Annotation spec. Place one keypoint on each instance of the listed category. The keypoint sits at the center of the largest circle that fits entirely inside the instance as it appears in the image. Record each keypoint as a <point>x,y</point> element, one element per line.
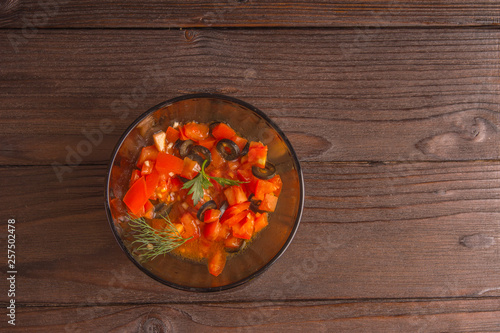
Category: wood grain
<point>465,315</point>
<point>392,95</point>
<point>244,13</point>
<point>392,106</point>
<point>423,230</point>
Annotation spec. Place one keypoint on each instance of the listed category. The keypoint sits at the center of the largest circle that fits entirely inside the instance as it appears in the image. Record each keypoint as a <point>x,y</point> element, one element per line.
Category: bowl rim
<point>272,124</point>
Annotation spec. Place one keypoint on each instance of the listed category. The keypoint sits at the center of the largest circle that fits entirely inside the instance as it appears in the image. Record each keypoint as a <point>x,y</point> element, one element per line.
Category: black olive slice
<point>178,143</point>
<point>203,152</point>
<point>264,173</point>
<point>254,204</point>
<point>245,149</point>
<point>206,206</point>
<point>162,210</point>
<point>185,147</point>
<point>223,207</point>
<point>228,149</point>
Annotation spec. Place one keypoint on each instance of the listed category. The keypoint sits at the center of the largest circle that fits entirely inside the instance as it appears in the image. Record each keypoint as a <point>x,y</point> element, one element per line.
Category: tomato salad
<point>206,185</point>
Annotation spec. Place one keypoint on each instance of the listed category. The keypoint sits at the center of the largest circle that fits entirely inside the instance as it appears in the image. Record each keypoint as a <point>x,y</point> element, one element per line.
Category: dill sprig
<point>155,242</point>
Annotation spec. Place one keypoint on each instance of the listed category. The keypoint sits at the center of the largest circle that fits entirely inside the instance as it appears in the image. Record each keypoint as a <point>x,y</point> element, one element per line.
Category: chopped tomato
<point>246,175</point>
<point>232,243</point>
<point>244,229</point>
<point>208,143</point>
<point>269,203</point>
<point>235,195</point>
<point>262,188</point>
<point>211,231</point>
<point>167,163</point>
<point>190,168</point>
<point>211,215</point>
<point>278,184</point>
<point>195,131</point>
<point>260,222</point>
<point>234,210</point>
<point>240,142</point>
<point>182,134</point>
<point>224,232</point>
<point>147,167</point>
<point>217,262</point>
<point>217,160</point>
<point>191,228</point>
<point>149,210</point>
<point>223,131</point>
<point>231,175</point>
<point>232,220</point>
<point>176,184</point>
<point>244,159</point>
<point>163,185</point>
<point>147,153</point>
<point>257,154</point>
<point>151,182</point>
<point>233,165</point>
<point>172,134</point>
<point>136,174</point>
<point>179,227</point>
<point>136,196</point>
<point>215,172</point>
<point>140,213</point>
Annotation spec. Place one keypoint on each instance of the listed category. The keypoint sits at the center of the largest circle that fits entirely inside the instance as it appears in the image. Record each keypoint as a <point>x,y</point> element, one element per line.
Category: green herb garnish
<point>155,242</point>
<point>202,182</point>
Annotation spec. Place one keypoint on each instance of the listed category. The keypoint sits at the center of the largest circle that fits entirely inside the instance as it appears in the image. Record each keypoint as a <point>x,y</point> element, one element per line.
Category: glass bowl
<point>252,124</point>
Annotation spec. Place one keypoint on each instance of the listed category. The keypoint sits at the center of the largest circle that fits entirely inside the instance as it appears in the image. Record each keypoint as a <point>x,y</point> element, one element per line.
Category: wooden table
<point>392,106</point>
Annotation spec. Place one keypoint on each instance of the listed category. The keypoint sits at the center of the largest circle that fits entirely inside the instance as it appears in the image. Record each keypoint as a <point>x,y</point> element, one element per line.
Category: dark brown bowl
<point>253,124</point>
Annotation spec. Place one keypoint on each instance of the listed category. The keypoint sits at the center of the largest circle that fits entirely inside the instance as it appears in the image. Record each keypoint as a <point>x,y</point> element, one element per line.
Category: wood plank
<point>443,240</point>
<point>244,13</point>
<point>374,316</point>
<point>426,94</point>
<point>396,192</point>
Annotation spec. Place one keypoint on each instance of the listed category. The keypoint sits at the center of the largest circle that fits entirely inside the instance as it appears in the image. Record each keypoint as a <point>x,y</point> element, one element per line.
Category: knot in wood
<point>155,325</point>
<point>477,241</point>
<point>189,35</point>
